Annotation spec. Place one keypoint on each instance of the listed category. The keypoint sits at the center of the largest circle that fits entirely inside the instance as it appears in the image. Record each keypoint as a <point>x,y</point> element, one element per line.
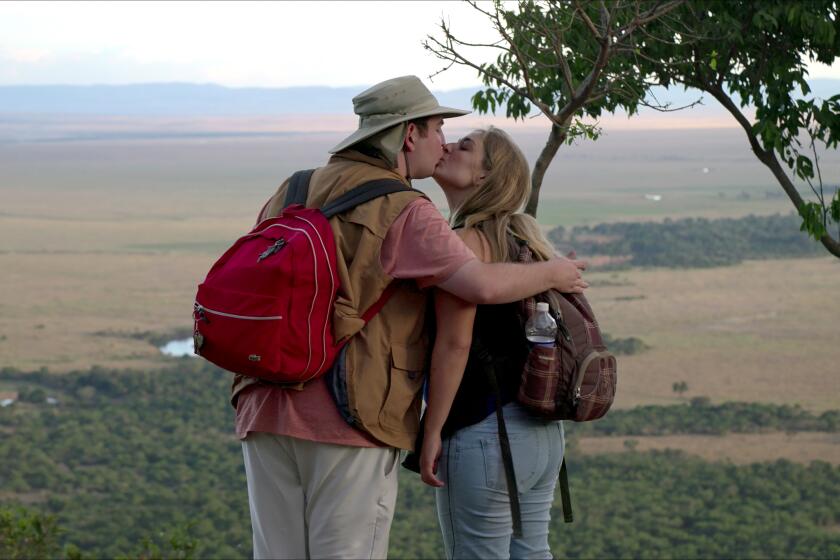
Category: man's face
<point>427,149</point>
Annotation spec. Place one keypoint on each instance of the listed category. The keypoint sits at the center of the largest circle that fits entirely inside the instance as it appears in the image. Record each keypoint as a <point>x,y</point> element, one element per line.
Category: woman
<point>486,180</point>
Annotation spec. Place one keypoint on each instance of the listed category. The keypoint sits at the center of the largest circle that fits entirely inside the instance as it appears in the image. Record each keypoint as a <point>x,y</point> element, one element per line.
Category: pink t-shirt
<point>420,245</point>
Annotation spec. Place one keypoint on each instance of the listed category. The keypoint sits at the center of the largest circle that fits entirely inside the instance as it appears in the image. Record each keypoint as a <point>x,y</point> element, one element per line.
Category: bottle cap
<point>542,306</point>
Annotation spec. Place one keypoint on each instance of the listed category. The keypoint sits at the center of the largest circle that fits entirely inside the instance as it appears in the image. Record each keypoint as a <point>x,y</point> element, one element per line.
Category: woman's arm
<point>449,358</point>
<point>454,318</point>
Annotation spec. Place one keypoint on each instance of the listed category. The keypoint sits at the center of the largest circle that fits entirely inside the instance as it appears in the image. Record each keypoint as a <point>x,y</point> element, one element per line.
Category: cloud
<point>41,67</point>
<point>25,55</point>
<point>820,70</point>
<point>235,44</point>
<point>270,44</point>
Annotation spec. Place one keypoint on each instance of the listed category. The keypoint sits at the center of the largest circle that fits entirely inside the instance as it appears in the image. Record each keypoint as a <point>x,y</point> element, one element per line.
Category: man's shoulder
<point>347,174</point>
<point>342,175</point>
<point>421,209</point>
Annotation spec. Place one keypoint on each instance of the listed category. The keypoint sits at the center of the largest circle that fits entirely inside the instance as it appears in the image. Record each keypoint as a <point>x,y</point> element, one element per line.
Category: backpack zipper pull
<point>200,311</point>
<point>272,249</point>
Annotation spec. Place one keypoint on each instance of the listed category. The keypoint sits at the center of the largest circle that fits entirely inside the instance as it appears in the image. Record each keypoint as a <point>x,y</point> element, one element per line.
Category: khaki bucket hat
<point>393,102</point>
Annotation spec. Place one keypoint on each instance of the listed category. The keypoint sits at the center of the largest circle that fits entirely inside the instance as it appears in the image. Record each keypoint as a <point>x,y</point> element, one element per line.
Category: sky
<point>268,44</point>
<point>234,44</point>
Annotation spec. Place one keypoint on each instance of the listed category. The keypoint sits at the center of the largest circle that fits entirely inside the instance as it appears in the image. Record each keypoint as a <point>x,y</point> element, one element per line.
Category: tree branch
<point>589,24</point>
<point>656,13</point>
<point>523,66</point>
<point>768,158</point>
<point>457,58</point>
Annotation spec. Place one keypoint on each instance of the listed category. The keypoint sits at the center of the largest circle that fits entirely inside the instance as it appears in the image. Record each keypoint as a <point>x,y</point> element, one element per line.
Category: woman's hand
<point>429,457</point>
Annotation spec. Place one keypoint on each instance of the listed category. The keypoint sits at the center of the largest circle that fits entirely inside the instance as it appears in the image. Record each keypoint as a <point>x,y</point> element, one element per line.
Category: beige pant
<point>318,500</point>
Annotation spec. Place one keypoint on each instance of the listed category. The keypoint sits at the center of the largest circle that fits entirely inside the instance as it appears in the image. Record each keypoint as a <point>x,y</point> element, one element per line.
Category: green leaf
<point>804,167</point>
<point>834,207</point>
<point>479,101</point>
<point>812,222</point>
<point>793,12</point>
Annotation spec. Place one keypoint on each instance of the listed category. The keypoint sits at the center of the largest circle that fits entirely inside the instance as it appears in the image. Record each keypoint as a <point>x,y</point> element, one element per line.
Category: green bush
<point>25,534</point>
<point>153,454</point>
<point>691,242</point>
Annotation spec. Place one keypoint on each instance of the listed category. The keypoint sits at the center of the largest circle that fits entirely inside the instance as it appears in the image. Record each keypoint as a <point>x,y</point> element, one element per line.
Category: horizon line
<point>215,84</point>
<point>324,86</point>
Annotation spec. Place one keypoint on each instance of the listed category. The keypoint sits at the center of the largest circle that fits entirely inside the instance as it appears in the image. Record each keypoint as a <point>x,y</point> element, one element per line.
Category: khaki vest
<point>386,359</point>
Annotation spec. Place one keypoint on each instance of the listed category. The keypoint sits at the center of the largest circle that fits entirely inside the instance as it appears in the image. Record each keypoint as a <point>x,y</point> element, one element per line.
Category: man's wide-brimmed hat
<point>393,102</point>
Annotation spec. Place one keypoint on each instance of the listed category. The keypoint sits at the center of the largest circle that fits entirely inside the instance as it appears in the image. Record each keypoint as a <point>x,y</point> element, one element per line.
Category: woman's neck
<point>454,198</point>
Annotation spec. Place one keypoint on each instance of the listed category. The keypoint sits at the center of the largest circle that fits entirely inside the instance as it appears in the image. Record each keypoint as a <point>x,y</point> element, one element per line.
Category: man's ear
<point>410,132</point>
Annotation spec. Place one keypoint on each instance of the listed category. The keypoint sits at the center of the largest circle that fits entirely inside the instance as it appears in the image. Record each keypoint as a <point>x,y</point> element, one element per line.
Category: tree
<point>25,534</point>
<point>36,396</point>
<point>567,58</point>
<point>680,387</point>
<point>574,58</point>
<point>755,52</point>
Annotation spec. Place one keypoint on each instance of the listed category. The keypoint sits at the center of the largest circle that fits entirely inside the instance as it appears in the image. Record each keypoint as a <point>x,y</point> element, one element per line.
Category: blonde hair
<point>493,208</point>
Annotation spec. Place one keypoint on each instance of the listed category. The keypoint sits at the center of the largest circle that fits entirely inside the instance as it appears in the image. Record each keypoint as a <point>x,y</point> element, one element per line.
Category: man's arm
<point>421,245</point>
<point>479,282</point>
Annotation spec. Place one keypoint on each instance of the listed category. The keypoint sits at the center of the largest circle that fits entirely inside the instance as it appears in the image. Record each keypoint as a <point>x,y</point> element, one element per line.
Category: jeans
<point>473,507</point>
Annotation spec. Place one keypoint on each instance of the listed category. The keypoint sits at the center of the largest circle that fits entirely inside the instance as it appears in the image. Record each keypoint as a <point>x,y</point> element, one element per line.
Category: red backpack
<point>265,308</point>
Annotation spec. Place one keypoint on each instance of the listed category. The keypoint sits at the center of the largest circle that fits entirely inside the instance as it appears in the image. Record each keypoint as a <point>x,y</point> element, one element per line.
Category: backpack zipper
<point>200,309</point>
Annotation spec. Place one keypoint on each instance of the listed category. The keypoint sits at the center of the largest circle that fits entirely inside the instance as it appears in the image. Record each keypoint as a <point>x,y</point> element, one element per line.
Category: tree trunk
<point>768,158</point>
<point>555,138</point>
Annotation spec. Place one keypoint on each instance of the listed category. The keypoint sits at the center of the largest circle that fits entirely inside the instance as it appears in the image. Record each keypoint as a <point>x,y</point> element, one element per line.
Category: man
<point>323,485</point>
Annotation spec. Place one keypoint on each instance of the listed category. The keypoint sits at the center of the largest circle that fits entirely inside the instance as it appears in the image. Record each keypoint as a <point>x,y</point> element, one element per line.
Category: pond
<point>178,348</point>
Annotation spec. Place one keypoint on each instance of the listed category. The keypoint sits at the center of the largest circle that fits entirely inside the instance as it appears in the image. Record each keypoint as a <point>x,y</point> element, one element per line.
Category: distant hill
<point>189,99</point>
<point>214,100</point>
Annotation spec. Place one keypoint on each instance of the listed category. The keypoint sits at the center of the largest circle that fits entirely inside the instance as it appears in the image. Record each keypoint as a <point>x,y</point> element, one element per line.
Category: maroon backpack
<point>574,379</point>
<point>265,308</point>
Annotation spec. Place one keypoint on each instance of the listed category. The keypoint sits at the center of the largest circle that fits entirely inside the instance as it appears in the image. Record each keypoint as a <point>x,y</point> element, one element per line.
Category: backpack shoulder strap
<point>298,190</point>
<point>364,193</point>
<point>484,357</point>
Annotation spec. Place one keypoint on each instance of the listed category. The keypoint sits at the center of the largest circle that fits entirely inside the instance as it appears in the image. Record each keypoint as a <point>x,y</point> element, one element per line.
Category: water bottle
<point>541,327</point>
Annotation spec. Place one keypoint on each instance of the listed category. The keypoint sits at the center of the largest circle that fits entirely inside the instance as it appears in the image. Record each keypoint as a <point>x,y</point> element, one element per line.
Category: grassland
<point>738,449</point>
<point>112,237</point>
<point>115,235</point>
<point>760,331</point>
<point>101,241</point>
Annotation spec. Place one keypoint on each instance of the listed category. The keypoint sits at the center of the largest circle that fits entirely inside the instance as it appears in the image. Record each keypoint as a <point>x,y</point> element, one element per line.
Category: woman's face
<point>461,167</point>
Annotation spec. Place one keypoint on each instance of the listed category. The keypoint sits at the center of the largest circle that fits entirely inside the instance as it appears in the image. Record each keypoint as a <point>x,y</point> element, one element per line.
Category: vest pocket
<point>401,409</point>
